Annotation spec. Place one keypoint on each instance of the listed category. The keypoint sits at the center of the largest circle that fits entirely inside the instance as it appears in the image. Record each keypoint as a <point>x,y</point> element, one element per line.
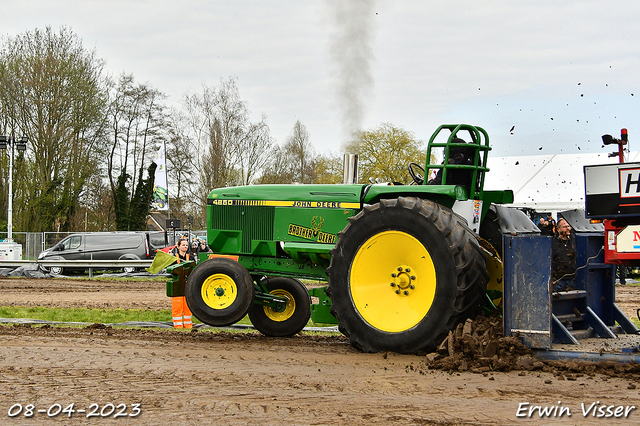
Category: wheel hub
<point>404,280</point>
<point>280,307</point>
<point>219,291</point>
<point>282,310</point>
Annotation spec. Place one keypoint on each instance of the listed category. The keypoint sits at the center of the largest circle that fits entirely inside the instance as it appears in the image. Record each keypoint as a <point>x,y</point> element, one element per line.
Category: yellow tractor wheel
<point>219,292</point>
<point>285,319</point>
<point>403,273</point>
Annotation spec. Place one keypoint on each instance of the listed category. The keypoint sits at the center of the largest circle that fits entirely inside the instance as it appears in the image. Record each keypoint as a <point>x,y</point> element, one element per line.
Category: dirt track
<point>200,377</point>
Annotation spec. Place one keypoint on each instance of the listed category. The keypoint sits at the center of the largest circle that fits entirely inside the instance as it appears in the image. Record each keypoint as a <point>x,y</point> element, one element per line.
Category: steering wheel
<point>418,178</point>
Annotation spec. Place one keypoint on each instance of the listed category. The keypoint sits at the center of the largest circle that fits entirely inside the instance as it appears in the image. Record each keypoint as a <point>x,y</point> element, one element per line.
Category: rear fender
<point>442,194</point>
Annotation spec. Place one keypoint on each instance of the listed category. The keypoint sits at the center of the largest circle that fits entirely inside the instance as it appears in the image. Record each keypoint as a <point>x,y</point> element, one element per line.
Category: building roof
<point>156,221</point>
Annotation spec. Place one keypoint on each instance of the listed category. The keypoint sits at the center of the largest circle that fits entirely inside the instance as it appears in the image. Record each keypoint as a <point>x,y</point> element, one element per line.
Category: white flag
<point>160,193</point>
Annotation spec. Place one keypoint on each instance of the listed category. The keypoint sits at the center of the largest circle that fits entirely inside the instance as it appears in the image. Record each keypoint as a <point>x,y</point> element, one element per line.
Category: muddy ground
<point>204,377</point>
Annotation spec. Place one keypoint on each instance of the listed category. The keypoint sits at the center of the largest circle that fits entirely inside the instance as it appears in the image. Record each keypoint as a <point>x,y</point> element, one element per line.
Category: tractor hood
<point>318,196</point>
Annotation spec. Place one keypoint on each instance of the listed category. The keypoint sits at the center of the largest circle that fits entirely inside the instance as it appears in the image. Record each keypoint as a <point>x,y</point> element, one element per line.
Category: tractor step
<point>569,295</point>
<point>571,318</point>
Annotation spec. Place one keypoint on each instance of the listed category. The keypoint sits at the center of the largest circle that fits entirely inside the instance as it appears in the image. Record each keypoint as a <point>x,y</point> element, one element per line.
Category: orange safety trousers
<point>180,313</point>
<point>179,308</point>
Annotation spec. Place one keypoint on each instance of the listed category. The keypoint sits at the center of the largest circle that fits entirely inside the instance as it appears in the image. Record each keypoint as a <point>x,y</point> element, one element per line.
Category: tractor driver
<point>563,257</point>
<point>457,155</point>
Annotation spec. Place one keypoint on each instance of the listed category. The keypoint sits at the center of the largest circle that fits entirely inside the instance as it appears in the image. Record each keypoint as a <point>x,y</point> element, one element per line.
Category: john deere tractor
<point>404,263</point>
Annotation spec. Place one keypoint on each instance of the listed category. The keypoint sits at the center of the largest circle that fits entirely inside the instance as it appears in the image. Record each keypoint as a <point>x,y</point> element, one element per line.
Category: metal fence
<point>35,242</point>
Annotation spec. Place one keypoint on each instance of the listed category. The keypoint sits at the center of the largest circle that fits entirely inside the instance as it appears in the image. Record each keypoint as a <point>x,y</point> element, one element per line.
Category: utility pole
<point>9,250</point>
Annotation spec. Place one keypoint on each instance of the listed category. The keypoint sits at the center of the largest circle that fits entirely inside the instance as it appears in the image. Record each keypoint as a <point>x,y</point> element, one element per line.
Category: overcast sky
<point>562,72</point>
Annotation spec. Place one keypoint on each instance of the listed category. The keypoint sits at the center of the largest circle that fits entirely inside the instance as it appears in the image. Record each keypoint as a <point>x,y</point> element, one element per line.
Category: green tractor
<point>404,263</point>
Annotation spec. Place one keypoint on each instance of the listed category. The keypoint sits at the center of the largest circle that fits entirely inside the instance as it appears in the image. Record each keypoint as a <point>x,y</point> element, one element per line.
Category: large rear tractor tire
<point>403,273</point>
<point>219,292</point>
<point>286,320</point>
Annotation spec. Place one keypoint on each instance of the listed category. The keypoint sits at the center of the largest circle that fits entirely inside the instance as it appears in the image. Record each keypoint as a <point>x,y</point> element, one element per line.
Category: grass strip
<point>101,316</point>
<point>104,316</point>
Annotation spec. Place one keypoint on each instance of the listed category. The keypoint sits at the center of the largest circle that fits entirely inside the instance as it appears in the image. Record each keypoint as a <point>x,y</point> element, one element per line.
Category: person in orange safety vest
<point>179,309</point>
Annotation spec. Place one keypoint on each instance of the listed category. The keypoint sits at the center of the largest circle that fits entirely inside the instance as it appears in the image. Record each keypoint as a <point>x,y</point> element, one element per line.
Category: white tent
<point>546,183</point>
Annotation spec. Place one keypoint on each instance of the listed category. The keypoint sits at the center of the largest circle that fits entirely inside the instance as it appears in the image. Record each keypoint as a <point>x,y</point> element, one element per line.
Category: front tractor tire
<point>287,319</point>
<point>403,273</point>
<point>219,292</point>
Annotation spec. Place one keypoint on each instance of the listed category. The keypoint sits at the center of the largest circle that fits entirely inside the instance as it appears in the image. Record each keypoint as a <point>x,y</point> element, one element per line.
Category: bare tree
<point>95,212</point>
<point>137,121</point>
<point>254,148</point>
<point>279,168</point>
<point>296,161</point>
<point>300,154</point>
<point>181,158</point>
<point>219,144</point>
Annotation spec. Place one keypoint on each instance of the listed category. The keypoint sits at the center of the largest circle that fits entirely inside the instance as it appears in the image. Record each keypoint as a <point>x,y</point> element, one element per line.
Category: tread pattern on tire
<point>231,314</point>
<point>470,277</point>
<point>292,325</point>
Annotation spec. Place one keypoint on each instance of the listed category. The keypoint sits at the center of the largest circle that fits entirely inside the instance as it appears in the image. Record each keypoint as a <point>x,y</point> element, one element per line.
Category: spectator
<point>199,246</point>
<point>194,248</point>
<point>550,220</point>
<point>545,227</point>
<point>181,250</point>
<point>622,274</point>
<point>563,258</point>
<point>203,247</point>
<point>180,312</point>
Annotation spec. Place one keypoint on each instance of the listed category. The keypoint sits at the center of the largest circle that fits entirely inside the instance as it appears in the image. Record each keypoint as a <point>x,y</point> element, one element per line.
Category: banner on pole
<point>160,193</point>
